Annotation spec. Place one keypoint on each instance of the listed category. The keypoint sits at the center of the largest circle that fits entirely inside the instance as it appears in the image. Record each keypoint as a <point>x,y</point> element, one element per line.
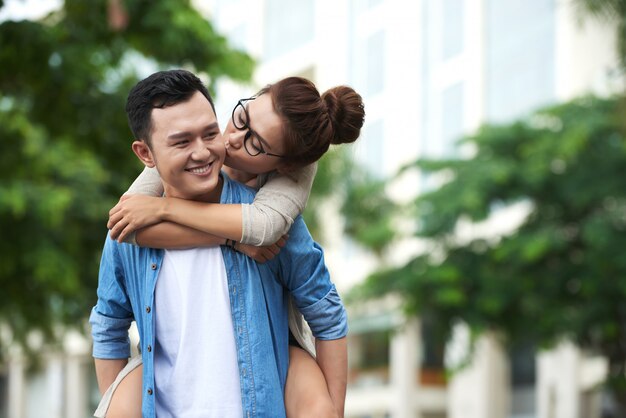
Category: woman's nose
<point>235,138</point>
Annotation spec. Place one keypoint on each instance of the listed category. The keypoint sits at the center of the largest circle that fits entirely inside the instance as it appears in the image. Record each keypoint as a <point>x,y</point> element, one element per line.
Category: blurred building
<point>429,71</point>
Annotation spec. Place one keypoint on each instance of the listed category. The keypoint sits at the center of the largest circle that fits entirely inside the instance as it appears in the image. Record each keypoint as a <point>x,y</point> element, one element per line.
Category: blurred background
<point>475,230</point>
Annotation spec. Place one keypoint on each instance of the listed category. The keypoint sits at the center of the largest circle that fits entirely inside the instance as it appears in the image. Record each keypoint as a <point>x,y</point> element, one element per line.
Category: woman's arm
<point>134,212</point>
<point>174,236</point>
<point>170,235</point>
<point>276,205</point>
<point>147,183</point>
<point>261,223</point>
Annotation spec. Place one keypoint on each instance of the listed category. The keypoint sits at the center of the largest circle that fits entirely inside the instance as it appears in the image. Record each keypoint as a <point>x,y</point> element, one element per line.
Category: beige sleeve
<point>278,202</point>
<point>148,183</point>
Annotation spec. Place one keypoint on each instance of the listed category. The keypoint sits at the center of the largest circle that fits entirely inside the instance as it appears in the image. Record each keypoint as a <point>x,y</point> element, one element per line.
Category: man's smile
<point>200,170</point>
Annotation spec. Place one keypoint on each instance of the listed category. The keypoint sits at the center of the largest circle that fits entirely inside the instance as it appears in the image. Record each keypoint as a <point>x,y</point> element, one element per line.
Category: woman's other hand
<point>134,212</point>
<point>262,254</point>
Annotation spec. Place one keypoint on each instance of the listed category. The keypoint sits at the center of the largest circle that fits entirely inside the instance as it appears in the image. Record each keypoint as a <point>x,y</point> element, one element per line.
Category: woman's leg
<point>306,391</point>
<point>126,400</point>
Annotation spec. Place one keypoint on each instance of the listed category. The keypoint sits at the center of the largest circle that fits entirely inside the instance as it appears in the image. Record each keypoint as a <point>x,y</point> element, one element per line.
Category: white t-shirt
<point>195,359</point>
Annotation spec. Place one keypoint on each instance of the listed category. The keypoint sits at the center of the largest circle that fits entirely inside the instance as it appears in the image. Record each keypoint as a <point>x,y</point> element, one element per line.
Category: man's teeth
<point>200,170</point>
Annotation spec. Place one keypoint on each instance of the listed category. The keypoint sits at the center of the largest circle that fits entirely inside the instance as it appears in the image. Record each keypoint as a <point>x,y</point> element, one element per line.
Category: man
<point>212,323</point>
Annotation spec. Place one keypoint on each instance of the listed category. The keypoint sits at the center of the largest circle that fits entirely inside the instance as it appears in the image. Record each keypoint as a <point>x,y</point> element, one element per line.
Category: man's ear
<point>144,153</point>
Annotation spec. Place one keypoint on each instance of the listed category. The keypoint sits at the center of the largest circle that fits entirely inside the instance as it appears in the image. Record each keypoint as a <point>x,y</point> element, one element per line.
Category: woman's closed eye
<point>242,119</point>
<point>254,142</point>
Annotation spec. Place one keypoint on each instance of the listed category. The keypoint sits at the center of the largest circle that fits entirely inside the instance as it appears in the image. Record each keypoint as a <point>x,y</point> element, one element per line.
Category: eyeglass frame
<point>250,132</point>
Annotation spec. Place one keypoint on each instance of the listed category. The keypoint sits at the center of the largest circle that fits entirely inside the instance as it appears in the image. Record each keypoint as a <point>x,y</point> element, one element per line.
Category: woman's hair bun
<point>346,112</point>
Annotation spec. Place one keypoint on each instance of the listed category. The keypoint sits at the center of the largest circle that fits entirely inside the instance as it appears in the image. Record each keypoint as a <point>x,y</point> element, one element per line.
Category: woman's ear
<point>144,153</point>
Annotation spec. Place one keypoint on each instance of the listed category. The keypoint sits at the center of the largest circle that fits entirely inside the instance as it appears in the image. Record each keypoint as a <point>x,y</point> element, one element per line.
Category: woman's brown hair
<point>311,122</point>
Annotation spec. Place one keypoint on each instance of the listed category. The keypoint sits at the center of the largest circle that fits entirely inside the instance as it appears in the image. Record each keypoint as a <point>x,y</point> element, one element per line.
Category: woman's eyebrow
<point>263,141</point>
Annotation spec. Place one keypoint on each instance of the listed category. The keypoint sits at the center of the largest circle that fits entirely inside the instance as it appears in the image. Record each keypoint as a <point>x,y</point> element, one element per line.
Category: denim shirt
<point>258,298</point>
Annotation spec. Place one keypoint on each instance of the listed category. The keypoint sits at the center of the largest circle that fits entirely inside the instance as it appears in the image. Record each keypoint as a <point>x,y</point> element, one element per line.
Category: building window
<point>288,25</point>
<point>375,67</point>
<point>452,27</point>
<point>452,111</point>
<point>432,368</point>
<point>520,54</point>
<point>374,151</point>
<point>361,6</point>
<point>369,358</point>
<point>523,380</point>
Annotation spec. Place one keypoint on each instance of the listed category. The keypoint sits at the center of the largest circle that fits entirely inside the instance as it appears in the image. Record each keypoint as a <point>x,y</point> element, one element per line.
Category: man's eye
<point>209,135</point>
<point>181,143</point>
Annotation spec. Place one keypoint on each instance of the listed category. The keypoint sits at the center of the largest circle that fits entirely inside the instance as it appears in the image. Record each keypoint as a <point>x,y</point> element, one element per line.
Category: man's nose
<point>200,150</point>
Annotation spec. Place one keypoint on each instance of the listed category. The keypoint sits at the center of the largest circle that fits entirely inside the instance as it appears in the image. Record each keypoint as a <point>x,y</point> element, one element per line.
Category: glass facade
<point>452,111</point>
<point>520,54</point>
<point>373,141</point>
<point>452,28</point>
<point>375,68</point>
<point>289,24</point>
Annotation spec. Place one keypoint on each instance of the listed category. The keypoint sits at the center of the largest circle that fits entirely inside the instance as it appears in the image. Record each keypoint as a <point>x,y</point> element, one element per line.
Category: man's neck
<point>241,176</point>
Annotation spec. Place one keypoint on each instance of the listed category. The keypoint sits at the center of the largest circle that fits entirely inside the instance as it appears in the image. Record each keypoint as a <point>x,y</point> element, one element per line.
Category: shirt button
<point>153,266</point>
<point>244,371</point>
<point>149,348</point>
<point>148,309</point>
<point>149,391</point>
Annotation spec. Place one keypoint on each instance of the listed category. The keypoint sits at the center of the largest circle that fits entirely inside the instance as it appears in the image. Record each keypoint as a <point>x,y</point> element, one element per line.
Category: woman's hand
<point>134,212</point>
<point>262,254</point>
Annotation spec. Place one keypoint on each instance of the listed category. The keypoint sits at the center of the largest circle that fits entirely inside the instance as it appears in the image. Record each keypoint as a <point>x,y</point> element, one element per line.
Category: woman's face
<point>254,128</point>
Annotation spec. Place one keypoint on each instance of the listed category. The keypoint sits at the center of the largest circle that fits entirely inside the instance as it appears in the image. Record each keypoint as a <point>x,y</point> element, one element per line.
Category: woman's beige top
<point>280,199</point>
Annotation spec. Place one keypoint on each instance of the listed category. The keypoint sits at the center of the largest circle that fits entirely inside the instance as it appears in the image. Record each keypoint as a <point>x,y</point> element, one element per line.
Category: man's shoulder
<point>113,248</point>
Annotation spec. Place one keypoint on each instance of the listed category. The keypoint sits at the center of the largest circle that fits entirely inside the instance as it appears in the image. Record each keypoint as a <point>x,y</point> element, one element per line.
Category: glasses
<point>252,141</point>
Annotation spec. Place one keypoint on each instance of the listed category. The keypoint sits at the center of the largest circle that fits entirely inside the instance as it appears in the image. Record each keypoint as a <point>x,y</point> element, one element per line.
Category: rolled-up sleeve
<point>112,316</point>
<point>327,317</point>
<point>110,336</point>
<point>307,278</point>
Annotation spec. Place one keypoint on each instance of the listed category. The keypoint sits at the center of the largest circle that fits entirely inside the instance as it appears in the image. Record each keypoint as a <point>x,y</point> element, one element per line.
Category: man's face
<point>187,149</point>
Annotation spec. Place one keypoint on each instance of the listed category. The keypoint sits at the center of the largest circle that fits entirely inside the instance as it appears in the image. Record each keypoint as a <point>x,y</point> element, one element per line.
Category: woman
<point>272,140</point>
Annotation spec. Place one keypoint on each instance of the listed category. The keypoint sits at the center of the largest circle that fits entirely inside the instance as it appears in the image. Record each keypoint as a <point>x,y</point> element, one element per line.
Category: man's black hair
<point>159,90</point>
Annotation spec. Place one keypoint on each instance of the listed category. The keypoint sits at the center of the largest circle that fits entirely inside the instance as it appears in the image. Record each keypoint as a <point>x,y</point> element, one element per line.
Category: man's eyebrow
<point>185,134</point>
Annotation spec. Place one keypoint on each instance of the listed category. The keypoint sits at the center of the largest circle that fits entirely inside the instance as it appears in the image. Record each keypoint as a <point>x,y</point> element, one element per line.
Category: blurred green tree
<point>360,198</point>
<point>561,272</point>
<point>64,142</point>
